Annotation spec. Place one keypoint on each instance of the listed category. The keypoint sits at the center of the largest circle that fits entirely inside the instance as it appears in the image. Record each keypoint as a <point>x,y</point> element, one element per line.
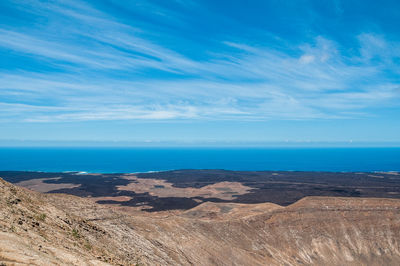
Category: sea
<point>133,160</point>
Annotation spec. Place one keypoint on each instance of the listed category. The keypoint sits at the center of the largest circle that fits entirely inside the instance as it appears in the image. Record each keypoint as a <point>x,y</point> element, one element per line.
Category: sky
<point>186,71</point>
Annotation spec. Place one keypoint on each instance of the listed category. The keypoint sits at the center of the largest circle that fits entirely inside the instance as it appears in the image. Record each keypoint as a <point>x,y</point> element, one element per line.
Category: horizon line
<point>194,144</point>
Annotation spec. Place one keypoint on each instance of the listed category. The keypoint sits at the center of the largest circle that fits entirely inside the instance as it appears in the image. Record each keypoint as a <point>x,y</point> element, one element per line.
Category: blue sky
<point>199,71</point>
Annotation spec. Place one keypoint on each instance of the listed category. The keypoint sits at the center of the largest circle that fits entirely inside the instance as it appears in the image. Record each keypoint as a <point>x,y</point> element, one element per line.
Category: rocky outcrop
<point>48,229</point>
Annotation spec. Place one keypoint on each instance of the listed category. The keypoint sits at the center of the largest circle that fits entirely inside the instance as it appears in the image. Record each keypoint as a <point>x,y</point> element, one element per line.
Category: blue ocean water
<point>128,160</point>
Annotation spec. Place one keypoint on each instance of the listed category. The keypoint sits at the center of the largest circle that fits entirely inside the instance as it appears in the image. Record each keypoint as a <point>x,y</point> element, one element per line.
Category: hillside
<point>59,229</point>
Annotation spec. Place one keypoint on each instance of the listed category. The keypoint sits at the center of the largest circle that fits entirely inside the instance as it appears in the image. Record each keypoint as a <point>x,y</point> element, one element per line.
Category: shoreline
<point>80,172</point>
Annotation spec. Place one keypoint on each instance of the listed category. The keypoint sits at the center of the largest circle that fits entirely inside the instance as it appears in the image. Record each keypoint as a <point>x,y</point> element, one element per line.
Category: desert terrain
<point>185,189</point>
<point>60,229</point>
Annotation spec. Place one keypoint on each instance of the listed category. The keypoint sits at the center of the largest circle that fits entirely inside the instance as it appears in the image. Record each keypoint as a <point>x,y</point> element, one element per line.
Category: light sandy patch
<point>40,186</point>
<point>117,198</point>
<point>164,189</point>
<point>376,176</point>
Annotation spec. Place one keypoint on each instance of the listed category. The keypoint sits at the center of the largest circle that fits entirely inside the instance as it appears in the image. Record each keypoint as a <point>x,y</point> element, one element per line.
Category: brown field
<point>164,189</point>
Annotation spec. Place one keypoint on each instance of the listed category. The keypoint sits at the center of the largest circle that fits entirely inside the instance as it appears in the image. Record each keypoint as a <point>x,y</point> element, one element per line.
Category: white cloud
<point>252,82</point>
<point>306,59</point>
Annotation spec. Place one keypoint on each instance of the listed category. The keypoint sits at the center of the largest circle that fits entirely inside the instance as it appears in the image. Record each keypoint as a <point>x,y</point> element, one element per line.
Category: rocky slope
<point>57,229</point>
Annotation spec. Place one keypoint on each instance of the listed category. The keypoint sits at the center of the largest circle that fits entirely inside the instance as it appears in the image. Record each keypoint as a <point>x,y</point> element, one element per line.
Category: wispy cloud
<point>104,69</point>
